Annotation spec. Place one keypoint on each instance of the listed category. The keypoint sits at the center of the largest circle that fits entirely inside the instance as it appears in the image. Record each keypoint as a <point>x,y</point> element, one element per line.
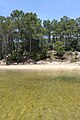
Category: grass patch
<point>39,95</point>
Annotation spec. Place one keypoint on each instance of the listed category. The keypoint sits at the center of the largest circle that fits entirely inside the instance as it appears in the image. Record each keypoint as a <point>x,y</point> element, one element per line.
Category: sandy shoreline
<point>52,66</point>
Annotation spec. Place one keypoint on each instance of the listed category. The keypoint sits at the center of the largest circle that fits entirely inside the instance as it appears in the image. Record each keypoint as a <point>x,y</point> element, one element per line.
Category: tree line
<point>23,36</point>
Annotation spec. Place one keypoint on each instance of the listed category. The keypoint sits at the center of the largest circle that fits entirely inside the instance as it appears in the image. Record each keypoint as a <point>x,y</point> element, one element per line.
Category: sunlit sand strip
<point>41,67</point>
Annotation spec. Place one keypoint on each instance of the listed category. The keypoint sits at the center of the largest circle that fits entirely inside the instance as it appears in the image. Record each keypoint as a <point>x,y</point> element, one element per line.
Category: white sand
<point>52,66</point>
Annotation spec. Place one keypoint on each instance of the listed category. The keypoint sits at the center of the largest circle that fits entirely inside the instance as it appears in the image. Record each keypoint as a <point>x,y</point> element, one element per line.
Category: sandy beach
<point>50,66</point>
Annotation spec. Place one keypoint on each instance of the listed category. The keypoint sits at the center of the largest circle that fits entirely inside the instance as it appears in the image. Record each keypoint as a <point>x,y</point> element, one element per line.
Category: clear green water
<point>39,95</point>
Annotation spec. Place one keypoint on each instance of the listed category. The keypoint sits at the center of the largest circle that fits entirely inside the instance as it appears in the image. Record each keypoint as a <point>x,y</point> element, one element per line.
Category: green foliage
<point>59,47</point>
<point>14,56</point>
<point>25,32</point>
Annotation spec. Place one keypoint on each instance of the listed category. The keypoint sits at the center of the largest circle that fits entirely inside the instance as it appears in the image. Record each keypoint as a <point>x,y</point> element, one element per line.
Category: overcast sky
<point>45,9</point>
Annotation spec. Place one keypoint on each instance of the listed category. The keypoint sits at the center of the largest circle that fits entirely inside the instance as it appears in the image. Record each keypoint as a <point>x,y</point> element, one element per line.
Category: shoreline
<point>50,66</point>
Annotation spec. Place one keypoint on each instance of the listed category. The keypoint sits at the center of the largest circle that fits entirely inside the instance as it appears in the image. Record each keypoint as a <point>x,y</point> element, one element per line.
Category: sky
<point>45,9</point>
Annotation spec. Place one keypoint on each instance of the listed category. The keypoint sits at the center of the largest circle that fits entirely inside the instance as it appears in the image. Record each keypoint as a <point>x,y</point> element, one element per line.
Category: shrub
<point>59,47</point>
<point>76,53</point>
<point>73,60</point>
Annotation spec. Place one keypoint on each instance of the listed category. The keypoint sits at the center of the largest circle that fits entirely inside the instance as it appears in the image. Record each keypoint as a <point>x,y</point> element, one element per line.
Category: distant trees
<point>24,36</point>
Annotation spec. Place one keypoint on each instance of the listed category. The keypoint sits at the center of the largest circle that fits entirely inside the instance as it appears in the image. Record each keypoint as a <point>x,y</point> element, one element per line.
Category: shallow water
<point>39,95</point>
